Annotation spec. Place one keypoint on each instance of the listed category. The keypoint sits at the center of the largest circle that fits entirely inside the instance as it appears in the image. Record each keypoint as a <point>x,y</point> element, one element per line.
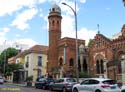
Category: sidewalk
<point>17,84</point>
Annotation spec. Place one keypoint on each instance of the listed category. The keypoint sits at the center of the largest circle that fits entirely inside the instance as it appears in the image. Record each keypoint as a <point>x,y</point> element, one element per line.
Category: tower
<point>54,19</point>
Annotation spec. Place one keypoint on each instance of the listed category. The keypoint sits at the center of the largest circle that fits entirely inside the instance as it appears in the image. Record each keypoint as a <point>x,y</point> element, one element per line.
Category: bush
<point>84,75</point>
<point>30,78</point>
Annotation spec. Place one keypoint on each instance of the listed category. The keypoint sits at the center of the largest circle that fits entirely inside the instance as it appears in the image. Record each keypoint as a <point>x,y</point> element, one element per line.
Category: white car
<point>1,80</point>
<point>96,85</point>
<point>123,88</point>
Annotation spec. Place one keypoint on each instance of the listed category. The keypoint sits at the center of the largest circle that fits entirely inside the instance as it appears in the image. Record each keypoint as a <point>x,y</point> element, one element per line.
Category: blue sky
<point>26,21</point>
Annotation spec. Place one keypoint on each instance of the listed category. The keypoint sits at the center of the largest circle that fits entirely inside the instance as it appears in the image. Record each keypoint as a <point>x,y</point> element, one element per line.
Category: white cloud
<point>21,20</point>
<point>86,34</point>
<point>68,30</point>
<point>26,41</point>
<point>4,31</point>
<point>83,1</point>
<point>108,8</point>
<point>18,35</point>
<point>23,43</point>
<point>67,9</point>
<point>68,24</point>
<point>41,1</point>
<point>54,1</point>
<point>10,6</point>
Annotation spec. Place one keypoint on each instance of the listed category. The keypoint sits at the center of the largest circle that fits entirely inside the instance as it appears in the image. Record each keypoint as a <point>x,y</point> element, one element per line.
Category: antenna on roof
<point>98,28</point>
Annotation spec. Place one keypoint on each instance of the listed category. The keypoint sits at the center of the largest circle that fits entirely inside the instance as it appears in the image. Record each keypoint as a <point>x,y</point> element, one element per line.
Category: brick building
<point>106,54</point>
<point>62,51</point>
<point>102,59</point>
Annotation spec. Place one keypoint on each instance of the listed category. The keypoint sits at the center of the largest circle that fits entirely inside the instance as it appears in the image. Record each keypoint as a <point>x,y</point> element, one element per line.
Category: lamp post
<point>124,2</point>
<point>74,11</point>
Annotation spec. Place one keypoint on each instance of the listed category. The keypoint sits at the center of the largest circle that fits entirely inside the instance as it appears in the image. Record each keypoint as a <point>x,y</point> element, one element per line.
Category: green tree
<point>90,42</point>
<point>11,67</point>
<point>7,53</point>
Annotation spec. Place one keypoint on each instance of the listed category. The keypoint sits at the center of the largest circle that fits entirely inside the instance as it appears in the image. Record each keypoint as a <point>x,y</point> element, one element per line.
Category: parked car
<point>63,84</point>
<point>96,85</point>
<point>123,88</point>
<point>1,80</point>
<point>43,83</point>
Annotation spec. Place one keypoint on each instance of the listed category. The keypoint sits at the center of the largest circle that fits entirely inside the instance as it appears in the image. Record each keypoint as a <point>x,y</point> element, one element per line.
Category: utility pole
<point>4,58</point>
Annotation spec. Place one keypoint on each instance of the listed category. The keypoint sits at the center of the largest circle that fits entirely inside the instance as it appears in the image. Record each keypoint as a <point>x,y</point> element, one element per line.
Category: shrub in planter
<point>84,75</point>
<point>29,80</point>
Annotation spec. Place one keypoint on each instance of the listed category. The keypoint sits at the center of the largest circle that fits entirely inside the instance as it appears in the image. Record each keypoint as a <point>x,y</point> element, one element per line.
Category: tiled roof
<point>39,48</point>
<point>34,49</point>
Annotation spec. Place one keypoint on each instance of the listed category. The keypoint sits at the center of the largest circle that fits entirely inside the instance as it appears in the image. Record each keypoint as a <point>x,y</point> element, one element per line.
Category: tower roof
<point>55,8</point>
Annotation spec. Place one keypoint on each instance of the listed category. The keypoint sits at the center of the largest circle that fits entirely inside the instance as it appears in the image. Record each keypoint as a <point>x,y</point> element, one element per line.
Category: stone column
<point>123,69</point>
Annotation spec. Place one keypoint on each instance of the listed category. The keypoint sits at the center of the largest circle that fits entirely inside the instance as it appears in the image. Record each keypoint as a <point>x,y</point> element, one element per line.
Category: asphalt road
<point>15,88</point>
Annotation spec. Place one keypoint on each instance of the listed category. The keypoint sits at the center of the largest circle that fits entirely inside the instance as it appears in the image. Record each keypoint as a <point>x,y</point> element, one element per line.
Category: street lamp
<point>74,11</point>
<point>124,2</point>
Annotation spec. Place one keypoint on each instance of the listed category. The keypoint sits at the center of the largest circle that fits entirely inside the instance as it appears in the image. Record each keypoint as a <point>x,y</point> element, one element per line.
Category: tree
<point>11,67</point>
<point>90,42</point>
<point>7,53</point>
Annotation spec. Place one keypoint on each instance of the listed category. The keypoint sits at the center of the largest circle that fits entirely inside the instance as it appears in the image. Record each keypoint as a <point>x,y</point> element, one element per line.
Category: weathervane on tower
<point>98,28</point>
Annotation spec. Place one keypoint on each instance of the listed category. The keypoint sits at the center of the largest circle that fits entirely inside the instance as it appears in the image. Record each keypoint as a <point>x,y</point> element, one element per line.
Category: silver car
<point>123,88</point>
<point>1,80</point>
<point>96,85</point>
<point>63,84</point>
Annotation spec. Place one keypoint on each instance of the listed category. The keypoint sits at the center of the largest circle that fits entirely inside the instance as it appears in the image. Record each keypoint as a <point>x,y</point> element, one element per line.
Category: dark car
<point>43,83</point>
<point>63,84</point>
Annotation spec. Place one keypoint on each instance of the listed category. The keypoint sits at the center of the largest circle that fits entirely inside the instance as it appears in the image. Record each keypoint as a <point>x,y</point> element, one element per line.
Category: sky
<point>26,21</point>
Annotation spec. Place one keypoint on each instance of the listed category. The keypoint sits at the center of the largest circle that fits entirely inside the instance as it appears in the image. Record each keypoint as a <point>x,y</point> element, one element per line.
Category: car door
<point>83,86</point>
<point>60,84</point>
<point>55,85</point>
<point>92,85</point>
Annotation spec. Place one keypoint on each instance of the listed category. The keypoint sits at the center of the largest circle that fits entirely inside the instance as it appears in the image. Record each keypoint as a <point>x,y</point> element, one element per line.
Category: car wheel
<point>123,91</point>
<point>97,91</point>
<point>75,90</point>
<point>64,90</point>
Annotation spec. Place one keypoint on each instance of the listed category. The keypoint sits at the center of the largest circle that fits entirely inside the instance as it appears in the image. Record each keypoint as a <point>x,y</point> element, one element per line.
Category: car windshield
<point>109,82</point>
<point>50,80</point>
<point>71,80</point>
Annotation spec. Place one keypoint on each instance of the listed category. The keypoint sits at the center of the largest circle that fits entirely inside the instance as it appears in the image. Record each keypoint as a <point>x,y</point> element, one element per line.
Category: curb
<point>23,85</point>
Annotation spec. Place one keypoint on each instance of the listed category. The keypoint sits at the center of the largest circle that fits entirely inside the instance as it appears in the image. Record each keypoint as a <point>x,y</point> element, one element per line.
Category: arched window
<point>53,23</point>
<point>71,62</point>
<point>97,66</point>
<point>57,23</point>
<point>79,65</point>
<point>53,9</point>
<point>102,67</point>
<point>60,62</point>
<point>85,65</point>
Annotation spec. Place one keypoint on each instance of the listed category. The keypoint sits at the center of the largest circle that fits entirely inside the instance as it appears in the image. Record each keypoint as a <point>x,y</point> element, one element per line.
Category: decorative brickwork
<point>105,50</point>
<point>60,64</point>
